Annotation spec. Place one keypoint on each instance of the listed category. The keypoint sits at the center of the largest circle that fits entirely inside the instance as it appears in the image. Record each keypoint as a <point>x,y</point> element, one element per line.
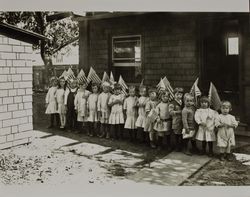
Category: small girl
<point>140,122</point>
<point>130,110</point>
<point>80,103</point>
<point>151,116</point>
<point>104,110</point>
<point>163,121</point>
<point>70,94</point>
<point>60,93</point>
<point>51,105</point>
<point>189,123</point>
<point>92,110</point>
<point>205,117</point>
<point>116,118</point>
<point>226,124</point>
<point>175,108</point>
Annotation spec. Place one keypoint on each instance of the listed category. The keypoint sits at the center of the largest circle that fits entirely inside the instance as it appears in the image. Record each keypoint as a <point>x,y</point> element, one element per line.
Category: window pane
<point>126,50</point>
<point>233,46</point>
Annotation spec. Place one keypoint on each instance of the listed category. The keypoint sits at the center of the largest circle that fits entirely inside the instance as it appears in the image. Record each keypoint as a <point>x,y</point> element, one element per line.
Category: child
<point>92,110</point>
<point>151,116</point>
<point>51,105</point>
<point>175,108</point>
<point>226,124</point>
<point>116,118</point>
<point>189,123</point>
<point>70,94</point>
<point>60,92</point>
<point>104,110</point>
<point>131,113</point>
<point>80,103</point>
<point>163,121</point>
<point>140,122</point>
<point>205,117</point>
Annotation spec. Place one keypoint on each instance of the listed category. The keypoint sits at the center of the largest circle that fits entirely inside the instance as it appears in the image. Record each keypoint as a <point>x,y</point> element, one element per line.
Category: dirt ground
<point>224,173</point>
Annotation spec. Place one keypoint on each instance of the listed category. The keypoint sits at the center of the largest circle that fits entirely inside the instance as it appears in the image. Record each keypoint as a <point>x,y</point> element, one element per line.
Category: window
<point>126,58</point>
<point>126,50</point>
<point>233,46</point>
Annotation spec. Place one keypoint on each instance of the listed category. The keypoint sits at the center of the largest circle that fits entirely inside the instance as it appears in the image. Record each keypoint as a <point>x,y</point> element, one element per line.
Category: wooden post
<point>84,42</point>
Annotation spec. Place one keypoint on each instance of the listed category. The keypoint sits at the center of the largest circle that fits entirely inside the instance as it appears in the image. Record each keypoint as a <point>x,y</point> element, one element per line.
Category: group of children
<point>152,115</point>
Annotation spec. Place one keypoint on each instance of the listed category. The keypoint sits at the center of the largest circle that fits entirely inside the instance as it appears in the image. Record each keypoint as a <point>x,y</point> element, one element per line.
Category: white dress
<point>131,112</point>
<point>140,122</point>
<point>102,106</point>
<point>92,107</point>
<point>150,119</point>
<point>207,116</point>
<point>60,93</point>
<point>225,135</point>
<point>81,105</point>
<point>116,115</point>
<point>164,126</point>
<point>51,101</point>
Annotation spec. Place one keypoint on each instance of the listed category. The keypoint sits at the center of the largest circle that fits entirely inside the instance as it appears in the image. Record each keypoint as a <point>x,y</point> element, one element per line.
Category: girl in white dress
<point>163,121</point>
<point>116,118</point>
<point>51,105</point>
<point>205,117</point>
<point>226,124</point>
<point>104,110</point>
<point>61,110</point>
<point>140,122</point>
<point>80,103</point>
<point>92,110</point>
<point>151,116</point>
<point>130,110</point>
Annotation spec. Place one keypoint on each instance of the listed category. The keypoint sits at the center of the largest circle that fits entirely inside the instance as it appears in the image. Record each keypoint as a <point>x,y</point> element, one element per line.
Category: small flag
<point>112,80</point>
<point>195,91</point>
<point>92,76</point>
<point>123,84</point>
<point>141,84</point>
<point>169,88</point>
<point>214,97</point>
<point>82,77</point>
<point>105,77</point>
<point>69,76</point>
<point>63,75</point>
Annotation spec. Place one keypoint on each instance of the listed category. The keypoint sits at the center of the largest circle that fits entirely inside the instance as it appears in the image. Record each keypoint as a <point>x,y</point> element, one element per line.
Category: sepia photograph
<point>120,99</point>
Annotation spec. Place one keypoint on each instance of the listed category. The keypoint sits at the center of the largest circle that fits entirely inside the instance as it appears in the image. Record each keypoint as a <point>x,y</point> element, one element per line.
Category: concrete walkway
<point>171,170</point>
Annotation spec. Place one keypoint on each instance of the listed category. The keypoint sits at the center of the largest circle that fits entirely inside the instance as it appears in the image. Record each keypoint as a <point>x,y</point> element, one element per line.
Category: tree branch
<point>64,45</point>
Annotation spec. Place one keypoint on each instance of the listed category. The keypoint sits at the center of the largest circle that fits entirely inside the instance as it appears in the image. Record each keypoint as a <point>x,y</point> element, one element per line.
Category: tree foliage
<point>61,32</point>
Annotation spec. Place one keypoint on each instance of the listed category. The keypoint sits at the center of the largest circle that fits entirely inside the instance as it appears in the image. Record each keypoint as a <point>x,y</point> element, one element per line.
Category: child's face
<point>62,82</point>
<point>105,89</point>
<point>83,86</point>
<point>204,105</point>
<point>178,95</point>
<point>54,83</point>
<point>132,92</point>
<point>164,98</point>
<point>189,102</point>
<point>73,84</point>
<point>152,96</point>
<point>117,91</point>
<point>143,91</point>
<point>95,89</point>
<point>225,109</point>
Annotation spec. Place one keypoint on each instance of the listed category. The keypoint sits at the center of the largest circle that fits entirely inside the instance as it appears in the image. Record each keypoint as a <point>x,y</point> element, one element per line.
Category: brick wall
<point>168,45</point>
<point>15,92</point>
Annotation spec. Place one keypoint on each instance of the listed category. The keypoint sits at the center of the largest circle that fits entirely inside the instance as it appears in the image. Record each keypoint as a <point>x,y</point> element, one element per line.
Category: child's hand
<point>158,120</point>
<point>203,124</point>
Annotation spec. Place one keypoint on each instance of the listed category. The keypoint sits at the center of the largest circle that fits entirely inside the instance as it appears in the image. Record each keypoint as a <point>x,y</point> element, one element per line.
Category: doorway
<point>220,59</point>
